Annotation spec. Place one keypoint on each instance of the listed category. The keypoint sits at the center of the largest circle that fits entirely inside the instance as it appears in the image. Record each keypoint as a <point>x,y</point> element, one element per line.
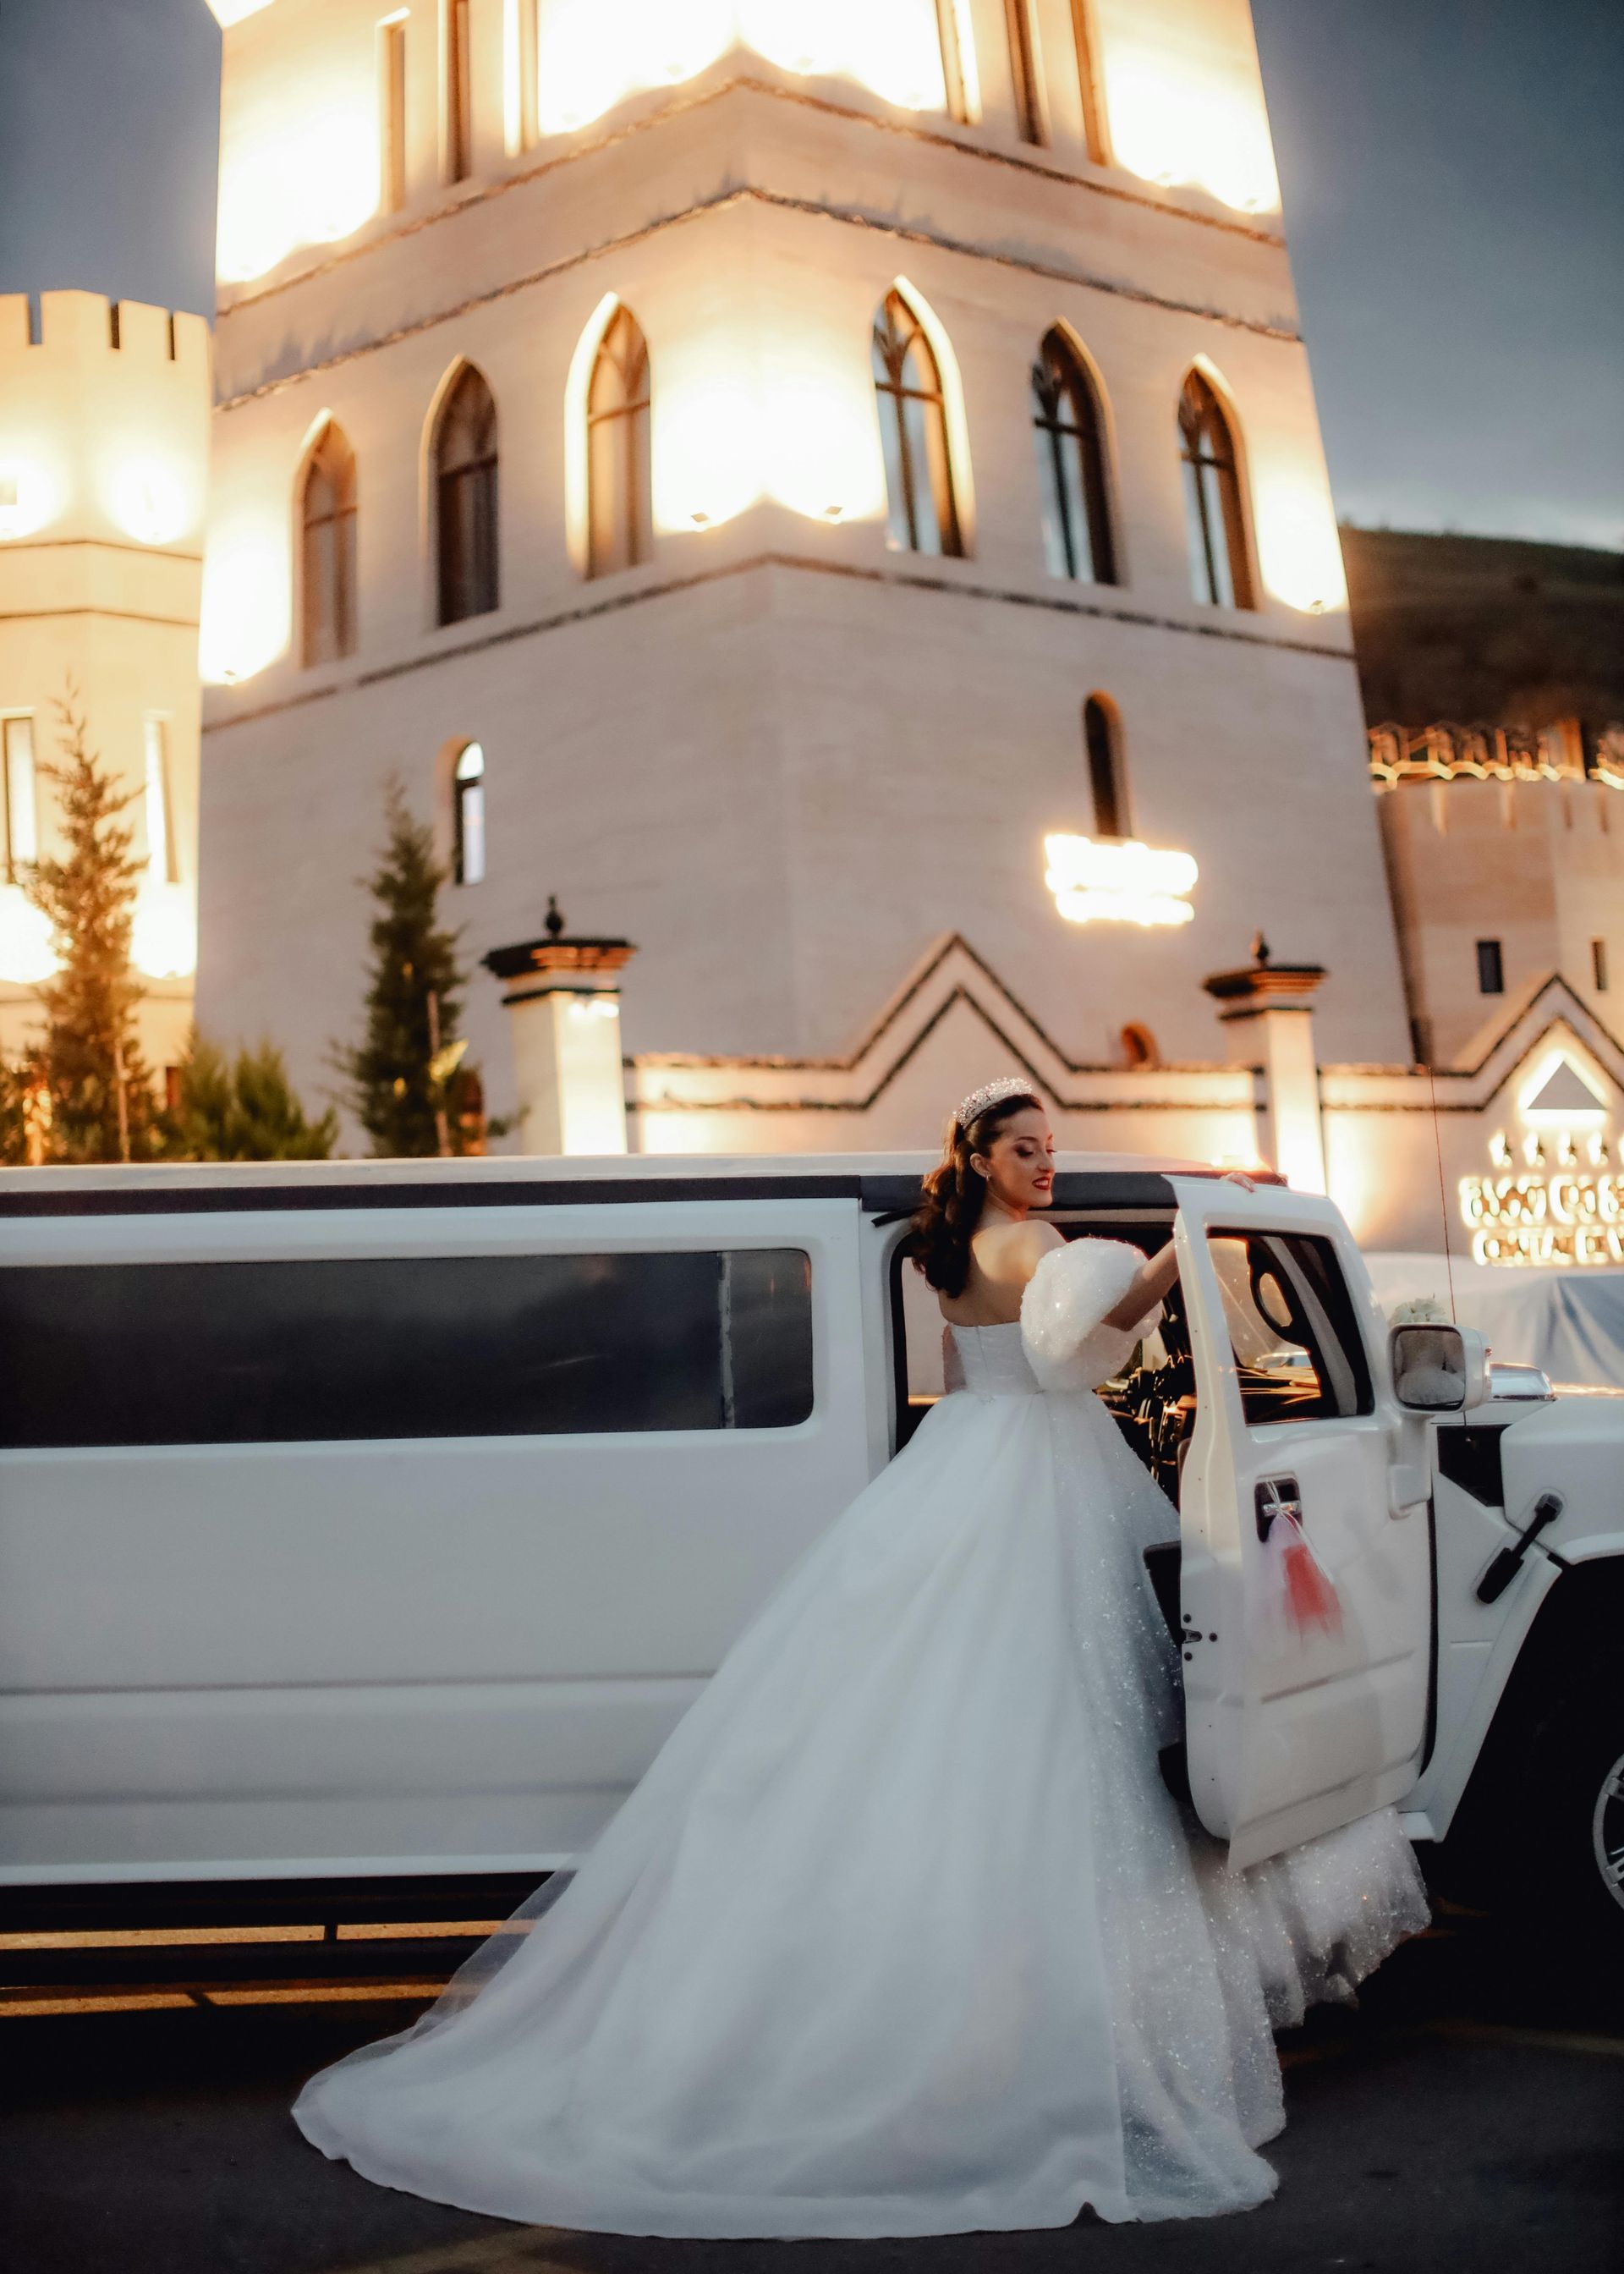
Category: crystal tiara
<point>990,1093</point>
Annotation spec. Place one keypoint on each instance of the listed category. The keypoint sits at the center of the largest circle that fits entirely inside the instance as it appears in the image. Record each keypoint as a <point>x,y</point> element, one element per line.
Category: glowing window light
<point>1118,881</point>
<point>468,816</point>
<point>22,828</point>
<point>160,834</point>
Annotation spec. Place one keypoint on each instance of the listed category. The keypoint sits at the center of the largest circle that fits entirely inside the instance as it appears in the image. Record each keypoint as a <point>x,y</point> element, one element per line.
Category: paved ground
<point>1467,2117</point>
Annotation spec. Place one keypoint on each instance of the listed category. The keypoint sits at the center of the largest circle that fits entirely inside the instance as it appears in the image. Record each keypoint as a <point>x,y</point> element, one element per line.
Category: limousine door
<point>366,1538</point>
<point>1294,1724</point>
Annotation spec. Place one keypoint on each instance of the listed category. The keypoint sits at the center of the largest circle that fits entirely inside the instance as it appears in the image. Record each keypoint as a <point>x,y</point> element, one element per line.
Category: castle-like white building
<point>759,471</point>
<point>835,494</point>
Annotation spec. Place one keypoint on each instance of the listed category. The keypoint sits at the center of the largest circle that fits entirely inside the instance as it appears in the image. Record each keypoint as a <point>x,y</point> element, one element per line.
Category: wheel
<point>1573,1795</point>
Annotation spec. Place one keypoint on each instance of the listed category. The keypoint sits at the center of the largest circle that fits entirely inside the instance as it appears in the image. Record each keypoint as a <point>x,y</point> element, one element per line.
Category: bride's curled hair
<point>939,1239</point>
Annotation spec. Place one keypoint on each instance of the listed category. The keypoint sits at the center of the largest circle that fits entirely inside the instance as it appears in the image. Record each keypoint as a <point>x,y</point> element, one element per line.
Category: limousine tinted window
<point>403,1346</point>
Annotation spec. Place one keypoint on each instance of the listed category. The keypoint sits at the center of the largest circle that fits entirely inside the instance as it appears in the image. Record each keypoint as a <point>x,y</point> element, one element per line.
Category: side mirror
<point>1439,1369</point>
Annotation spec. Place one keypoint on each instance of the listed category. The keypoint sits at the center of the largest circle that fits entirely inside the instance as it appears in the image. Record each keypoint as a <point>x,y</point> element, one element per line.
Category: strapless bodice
<point>995,1361</point>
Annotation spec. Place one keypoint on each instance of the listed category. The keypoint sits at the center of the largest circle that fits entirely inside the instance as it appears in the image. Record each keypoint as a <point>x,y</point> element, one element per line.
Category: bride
<point>901,1932</point>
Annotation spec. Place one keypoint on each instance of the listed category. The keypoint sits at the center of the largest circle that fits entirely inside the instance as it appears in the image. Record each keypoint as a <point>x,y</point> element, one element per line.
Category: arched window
<point>1107,781</point>
<point>1214,519</point>
<point>919,473</point>
<point>1067,428</point>
<point>328,549</point>
<point>620,518</point>
<point>467,816</point>
<point>465,501</point>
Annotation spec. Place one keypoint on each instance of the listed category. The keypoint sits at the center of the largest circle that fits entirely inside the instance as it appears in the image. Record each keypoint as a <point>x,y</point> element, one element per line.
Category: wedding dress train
<point>901,1932</point>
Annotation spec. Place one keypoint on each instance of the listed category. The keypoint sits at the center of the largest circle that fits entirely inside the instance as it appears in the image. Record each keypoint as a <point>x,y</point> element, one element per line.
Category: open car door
<point>1306,1702</point>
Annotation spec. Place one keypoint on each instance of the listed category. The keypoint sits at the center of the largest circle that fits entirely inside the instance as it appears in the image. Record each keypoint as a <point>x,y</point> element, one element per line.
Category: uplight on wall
<point>707,449</point>
<point>593,53</point>
<point>26,955</point>
<point>1180,113</point>
<point>164,940</point>
<point>1298,550</point>
<point>149,501</point>
<point>310,183</point>
<point>822,453</point>
<point>246,606</point>
<point>1118,880</point>
<point>28,498</point>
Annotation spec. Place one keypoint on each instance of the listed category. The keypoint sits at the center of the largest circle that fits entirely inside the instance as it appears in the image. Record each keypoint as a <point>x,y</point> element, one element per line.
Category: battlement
<point>104,425</point>
<point>82,326</point>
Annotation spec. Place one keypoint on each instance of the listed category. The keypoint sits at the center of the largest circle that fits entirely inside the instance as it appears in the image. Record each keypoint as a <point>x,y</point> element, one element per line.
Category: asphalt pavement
<point>1467,2116</point>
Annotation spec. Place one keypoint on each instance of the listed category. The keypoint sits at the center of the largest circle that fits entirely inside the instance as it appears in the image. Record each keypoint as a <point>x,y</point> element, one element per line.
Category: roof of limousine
<point>881,1181</point>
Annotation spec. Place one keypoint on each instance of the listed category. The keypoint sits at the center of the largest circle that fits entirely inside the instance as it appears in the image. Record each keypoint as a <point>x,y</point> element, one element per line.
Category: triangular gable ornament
<point>1561,1092</point>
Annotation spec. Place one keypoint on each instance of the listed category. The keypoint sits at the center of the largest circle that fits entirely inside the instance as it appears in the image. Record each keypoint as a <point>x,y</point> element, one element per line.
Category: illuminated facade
<point>817,455</point>
<point>104,442</point>
<point>1506,854</point>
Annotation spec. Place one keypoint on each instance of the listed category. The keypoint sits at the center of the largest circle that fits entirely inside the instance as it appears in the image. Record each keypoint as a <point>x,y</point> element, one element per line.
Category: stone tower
<point>104,440</point>
<point>757,468</point>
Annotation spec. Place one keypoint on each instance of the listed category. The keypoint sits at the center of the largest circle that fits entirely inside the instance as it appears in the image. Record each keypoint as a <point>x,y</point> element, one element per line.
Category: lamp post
<point>562,997</point>
<point>1267,1014</point>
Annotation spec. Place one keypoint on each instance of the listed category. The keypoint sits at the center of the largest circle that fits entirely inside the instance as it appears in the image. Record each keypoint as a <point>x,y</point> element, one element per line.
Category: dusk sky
<point>1454,177</point>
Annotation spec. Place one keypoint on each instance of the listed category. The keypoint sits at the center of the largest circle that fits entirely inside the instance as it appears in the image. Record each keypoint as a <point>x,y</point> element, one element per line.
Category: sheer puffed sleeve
<point>1063,1314</point>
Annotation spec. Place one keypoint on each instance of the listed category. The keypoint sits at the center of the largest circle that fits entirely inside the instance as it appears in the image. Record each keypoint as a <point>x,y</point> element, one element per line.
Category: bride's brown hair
<point>939,1239</point>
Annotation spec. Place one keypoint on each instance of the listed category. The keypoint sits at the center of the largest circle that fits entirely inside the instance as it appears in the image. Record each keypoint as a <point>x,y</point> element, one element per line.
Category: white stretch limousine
<point>368,1518</point>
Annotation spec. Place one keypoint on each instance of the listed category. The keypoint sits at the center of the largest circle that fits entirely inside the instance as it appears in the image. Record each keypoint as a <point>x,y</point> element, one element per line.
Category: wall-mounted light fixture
<point>1118,880</point>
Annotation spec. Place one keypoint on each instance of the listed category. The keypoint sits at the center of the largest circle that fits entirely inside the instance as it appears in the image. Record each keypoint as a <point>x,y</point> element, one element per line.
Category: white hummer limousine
<point>369,1518</point>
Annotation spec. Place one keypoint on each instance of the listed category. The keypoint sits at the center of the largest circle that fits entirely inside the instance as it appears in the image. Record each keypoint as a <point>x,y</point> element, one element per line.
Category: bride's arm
<point>1152,1281</point>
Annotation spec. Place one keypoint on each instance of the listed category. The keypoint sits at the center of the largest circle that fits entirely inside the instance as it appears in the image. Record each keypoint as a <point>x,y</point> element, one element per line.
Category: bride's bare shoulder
<point>1013,1251</point>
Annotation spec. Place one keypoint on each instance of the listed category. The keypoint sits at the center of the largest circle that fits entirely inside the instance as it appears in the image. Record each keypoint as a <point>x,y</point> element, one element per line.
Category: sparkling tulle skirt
<point>901,1932</point>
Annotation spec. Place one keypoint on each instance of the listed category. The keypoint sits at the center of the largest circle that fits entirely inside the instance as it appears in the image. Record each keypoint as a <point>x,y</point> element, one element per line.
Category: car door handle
<point>1276,1496</point>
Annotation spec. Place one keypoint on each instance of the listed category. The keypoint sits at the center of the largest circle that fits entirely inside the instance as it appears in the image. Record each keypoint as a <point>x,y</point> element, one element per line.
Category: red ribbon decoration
<point>1310,1601</point>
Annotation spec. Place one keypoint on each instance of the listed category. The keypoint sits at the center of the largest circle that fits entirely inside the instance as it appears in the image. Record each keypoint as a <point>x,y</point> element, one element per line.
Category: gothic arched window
<point>619,514</point>
<point>328,549</point>
<point>1213,518</point>
<point>1068,430</point>
<point>464,461</point>
<point>919,471</point>
<point>467,816</point>
<point>1107,782</point>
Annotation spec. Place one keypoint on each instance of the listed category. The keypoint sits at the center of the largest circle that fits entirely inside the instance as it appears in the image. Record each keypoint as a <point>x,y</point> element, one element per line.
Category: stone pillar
<point>1267,1014</point>
<point>562,997</point>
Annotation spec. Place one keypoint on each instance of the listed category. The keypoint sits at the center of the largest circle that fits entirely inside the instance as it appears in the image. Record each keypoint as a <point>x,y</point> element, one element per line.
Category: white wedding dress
<point>902,1932</point>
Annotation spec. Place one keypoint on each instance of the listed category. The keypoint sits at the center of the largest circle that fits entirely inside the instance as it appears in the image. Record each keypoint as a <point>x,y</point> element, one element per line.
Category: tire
<point>1573,1809</point>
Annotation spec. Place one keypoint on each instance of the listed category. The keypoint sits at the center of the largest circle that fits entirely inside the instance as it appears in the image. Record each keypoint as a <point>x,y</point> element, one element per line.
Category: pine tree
<point>245,1111</point>
<point>95,1091</point>
<point>406,1079</point>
